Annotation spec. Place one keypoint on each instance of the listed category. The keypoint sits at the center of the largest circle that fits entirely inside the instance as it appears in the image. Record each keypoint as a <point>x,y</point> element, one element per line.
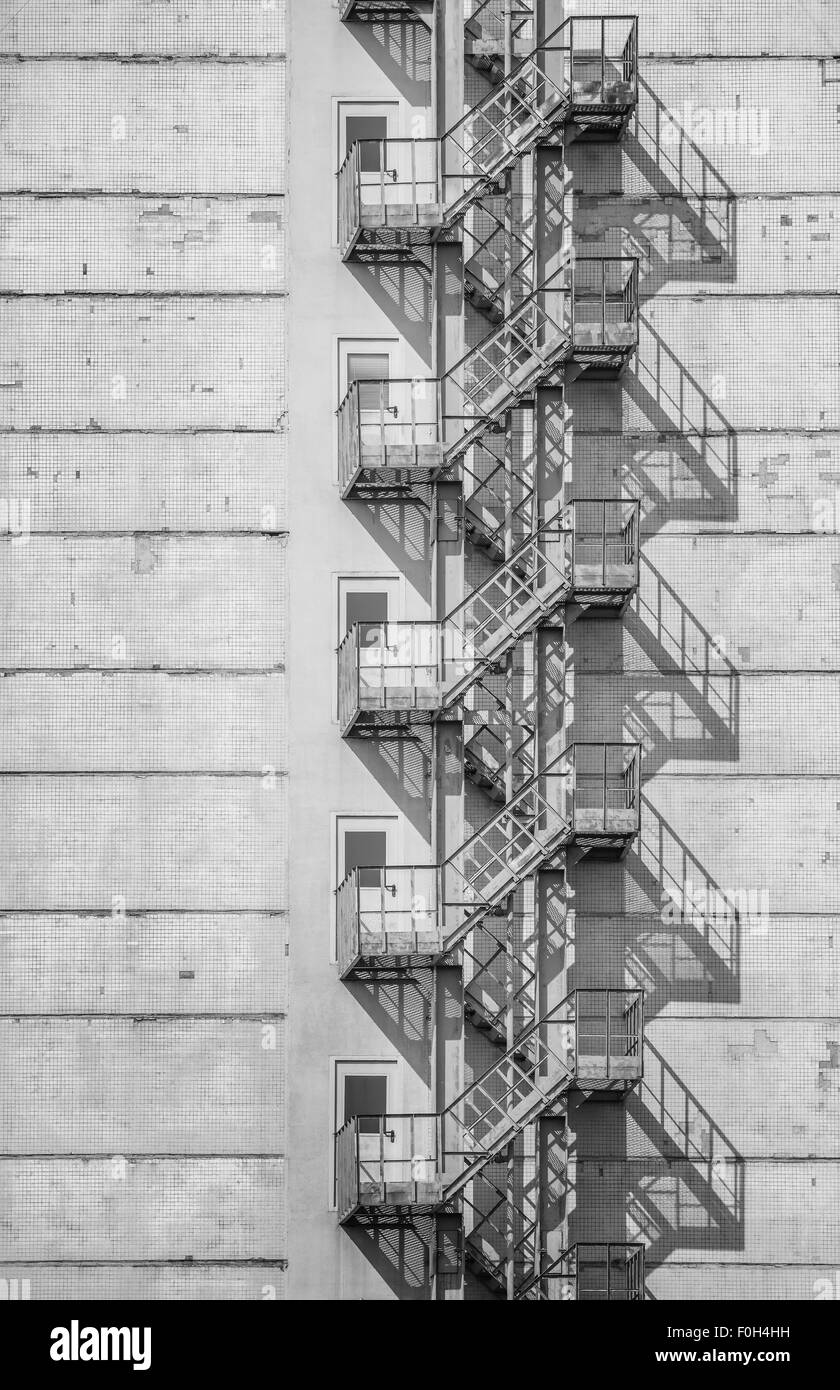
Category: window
<point>370,369</point>
<point>366,850</point>
<point>365,1094</point>
<point>369,600</point>
<point>370,130</point>
<point>370,611</point>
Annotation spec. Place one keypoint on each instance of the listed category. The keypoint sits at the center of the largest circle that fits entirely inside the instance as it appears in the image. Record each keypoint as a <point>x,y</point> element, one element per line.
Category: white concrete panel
<point>133,482</point>
<point>717,245</point>
<point>134,128</point>
<point>128,245</point>
<point>118,364</point>
<point>143,601</point>
<point>211,1282</point>
<point>718,365</point>
<point>143,722</point>
<point>721,127</point>
<point>769,481</point>
<point>698,27</point>
<point>240,27</point>
<point>113,843</point>
<point>151,963</point>
<point>736,723</point>
<point>94,1086</point>
<point>155,1209</point>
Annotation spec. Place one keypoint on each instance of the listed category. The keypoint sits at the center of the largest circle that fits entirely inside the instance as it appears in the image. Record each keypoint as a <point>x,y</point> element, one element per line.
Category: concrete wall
<point>144,761</point>
<point>331,1021</point>
<point>725,1160</point>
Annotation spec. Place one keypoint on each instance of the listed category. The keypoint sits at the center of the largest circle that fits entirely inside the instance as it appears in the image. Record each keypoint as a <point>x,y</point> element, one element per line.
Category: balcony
<point>388,919</point>
<point>404,1165</point>
<point>395,673</point>
<point>606,312</point>
<point>606,807</point>
<point>591,1271</point>
<point>388,1165</point>
<point>389,437</point>
<point>393,917</point>
<point>389,197</point>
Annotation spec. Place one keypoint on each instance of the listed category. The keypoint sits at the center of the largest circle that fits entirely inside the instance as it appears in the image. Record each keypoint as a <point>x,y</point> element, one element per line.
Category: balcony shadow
<point>402,50</point>
<point>687,231</point>
<point>402,529</point>
<point>689,470</point>
<point>402,1253</point>
<point>688,1194</point>
<point>401,762</point>
<point>401,287</point>
<point>402,1010</point>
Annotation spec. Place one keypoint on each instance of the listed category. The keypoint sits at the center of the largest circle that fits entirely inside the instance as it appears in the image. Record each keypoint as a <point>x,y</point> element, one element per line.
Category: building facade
<point>419,525</point>
<point>563,773</point>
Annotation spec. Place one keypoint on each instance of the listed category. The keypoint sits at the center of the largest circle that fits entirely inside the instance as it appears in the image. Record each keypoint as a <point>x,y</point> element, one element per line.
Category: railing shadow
<point>402,50</point>
<point>694,905</point>
<point>688,471</point>
<point>401,1252</point>
<point>402,529</point>
<point>697,1203</point>
<point>687,1195</point>
<point>400,760</point>
<point>401,287</point>
<point>677,168</point>
<point>699,720</point>
<point>659,921</point>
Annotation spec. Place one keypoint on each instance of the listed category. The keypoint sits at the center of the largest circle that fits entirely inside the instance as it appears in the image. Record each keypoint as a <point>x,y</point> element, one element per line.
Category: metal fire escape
<point>400,438</point>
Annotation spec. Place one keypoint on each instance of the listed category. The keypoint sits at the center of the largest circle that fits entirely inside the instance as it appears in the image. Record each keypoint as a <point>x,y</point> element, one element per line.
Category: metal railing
<point>586,67</point>
<point>392,184</point>
<point>388,1161</point>
<point>588,789</point>
<point>595,1271</point>
<point>389,427</point>
<point>387,912</point>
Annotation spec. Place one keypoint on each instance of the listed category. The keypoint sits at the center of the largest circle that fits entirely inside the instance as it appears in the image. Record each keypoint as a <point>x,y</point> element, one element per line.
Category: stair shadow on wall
<point>402,1253</point>
<point>657,1169</point>
<point>681,462</point>
<point>656,920</point>
<point>697,224</point>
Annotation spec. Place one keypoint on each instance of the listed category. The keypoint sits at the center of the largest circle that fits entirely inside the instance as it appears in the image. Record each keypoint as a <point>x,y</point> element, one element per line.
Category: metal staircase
<point>396,672</point>
<point>395,918</point>
<point>403,438</point>
<point>591,1041</point>
<point>399,193</point>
